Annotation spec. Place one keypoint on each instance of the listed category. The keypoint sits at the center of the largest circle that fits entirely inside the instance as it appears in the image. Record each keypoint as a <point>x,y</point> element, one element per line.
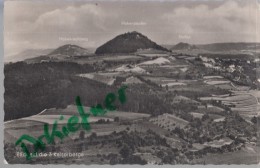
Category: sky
<point>50,24</point>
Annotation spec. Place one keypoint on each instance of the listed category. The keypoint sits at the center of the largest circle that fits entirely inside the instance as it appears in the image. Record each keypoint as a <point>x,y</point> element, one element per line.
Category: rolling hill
<point>183,46</point>
<point>63,53</point>
<point>70,50</point>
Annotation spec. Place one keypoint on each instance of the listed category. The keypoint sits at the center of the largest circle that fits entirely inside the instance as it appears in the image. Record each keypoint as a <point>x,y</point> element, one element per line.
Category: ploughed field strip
<point>242,103</point>
<point>33,124</point>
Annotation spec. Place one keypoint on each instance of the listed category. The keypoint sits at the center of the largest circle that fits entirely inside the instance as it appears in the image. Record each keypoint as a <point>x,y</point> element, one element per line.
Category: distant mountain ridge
<point>215,47</point>
<point>184,46</point>
<point>70,50</point>
<point>128,43</point>
<point>27,54</point>
<point>229,46</point>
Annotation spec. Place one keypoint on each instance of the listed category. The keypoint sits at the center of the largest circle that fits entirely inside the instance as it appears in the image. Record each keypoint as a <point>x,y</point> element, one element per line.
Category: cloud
<point>66,18</point>
<point>44,29</point>
<point>72,19</point>
<point>228,18</point>
<point>12,45</point>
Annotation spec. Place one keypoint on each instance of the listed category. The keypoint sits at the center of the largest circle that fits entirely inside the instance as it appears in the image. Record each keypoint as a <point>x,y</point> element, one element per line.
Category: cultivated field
<point>245,103</point>
<point>169,121</point>
<point>95,59</point>
<point>33,125</point>
<point>106,79</point>
<point>244,156</point>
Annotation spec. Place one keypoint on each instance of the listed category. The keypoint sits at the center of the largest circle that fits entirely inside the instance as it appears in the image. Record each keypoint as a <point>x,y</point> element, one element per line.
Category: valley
<point>181,108</point>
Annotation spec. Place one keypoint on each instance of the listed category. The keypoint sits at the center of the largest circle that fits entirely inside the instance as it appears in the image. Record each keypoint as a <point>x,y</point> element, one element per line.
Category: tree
<point>82,135</point>
<point>160,154</point>
<point>133,160</point>
<point>167,159</point>
<point>116,119</point>
<point>205,117</point>
<point>125,151</point>
<point>254,120</point>
<point>114,160</point>
<point>93,135</point>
